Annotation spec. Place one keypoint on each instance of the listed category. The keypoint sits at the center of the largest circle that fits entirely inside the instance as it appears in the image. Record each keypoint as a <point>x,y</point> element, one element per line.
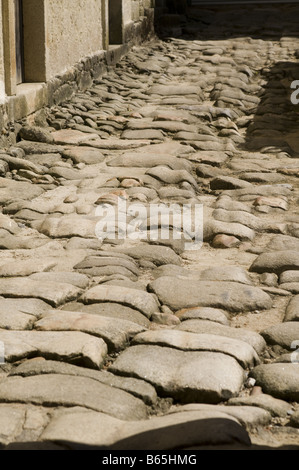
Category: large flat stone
<point>10,188</point>
<point>279,380</point>
<point>158,255</point>
<point>138,388</point>
<point>20,314</point>
<point>186,376</point>
<point>25,267</point>
<point>276,262</point>
<point>275,406</point>
<point>74,347</point>
<point>66,390</point>
<point>292,311</point>
<point>54,293</point>
<point>140,300</point>
<point>283,334</point>
<point>186,293</point>
<point>110,310</point>
<point>80,428</point>
<point>243,352</point>
<point>116,334</point>
<point>68,226</point>
<point>213,328</point>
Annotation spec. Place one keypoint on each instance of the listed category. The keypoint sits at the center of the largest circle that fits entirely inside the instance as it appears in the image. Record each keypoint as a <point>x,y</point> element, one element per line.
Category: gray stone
<point>249,416</point>
<point>71,347</point>
<point>279,380</point>
<point>144,160</point>
<point>169,176</point>
<point>54,293</point>
<point>276,262</point>
<point>170,432</point>
<point>215,227</point>
<point>203,313</point>
<point>12,420</point>
<point>273,405</point>
<point>148,134</point>
<point>283,242</point>
<point>102,261</point>
<point>66,390</point>
<point>111,310</point>
<point>68,226</point>
<point>228,182</point>
<point>36,134</point>
<point>283,334</point>
<point>116,334</point>
<point>142,301</point>
<point>188,293</point>
<point>76,279</point>
<point>289,276</point>
<point>209,327</point>
<point>138,388</point>
<point>16,314</point>
<point>294,421</point>
<point>159,255</point>
<point>25,267</point>
<point>243,352</point>
<point>185,376</point>
<point>10,188</point>
<point>82,154</point>
<point>239,217</point>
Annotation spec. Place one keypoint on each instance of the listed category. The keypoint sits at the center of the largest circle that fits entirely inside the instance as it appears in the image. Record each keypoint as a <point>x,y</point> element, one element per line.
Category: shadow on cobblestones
<point>275,125</point>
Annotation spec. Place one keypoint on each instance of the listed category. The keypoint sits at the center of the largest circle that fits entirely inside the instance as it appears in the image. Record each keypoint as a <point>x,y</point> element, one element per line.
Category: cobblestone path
<point>144,344</point>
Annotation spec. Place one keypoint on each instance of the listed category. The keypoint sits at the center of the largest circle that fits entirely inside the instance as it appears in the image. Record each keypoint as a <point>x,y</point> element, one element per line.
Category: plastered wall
<point>73,31</point>
<point>2,87</point>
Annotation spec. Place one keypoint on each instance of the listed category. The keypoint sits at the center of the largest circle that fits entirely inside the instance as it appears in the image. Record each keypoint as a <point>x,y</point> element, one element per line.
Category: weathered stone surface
<point>76,279</point>
<point>68,226</point>
<point>25,267</point>
<point>170,432</point>
<point>72,137</point>
<point>289,276</point>
<point>143,301</point>
<point>36,134</point>
<point>156,254</point>
<point>214,227</point>
<point>209,327</point>
<point>279,380</point>
<point>65,390</point>
<point>144,160</point>
<point>110,310</point>
<point>283,242</point>
<point>276,262</point>
<point>186,341</point>
<point>227,182</point>
<point>138,388</point>
<point>9,188</point>
<point>12,419</point>
<point>20,314</point>
<point>203,313</point>
<point>292,311</point>
<point>275,406</point>
<point>187,293</point>
<point>116,334</point>
<point>71,347</point>
<point>249,417</point>
<point>283,334</point>
<point>86,155</point>
<point>52,292</point>
<point>186,376</point>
